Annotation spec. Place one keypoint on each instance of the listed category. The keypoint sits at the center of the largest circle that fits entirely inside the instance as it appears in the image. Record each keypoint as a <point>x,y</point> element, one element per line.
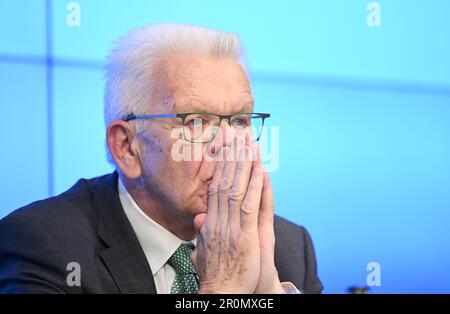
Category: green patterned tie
<point>186,279</point>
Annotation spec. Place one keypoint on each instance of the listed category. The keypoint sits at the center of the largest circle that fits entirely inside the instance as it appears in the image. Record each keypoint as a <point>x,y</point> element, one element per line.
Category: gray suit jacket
<point>87,225</point>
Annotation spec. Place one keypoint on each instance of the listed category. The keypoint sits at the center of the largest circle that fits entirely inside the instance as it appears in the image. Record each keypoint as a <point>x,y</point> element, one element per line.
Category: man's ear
<point>124,149</point>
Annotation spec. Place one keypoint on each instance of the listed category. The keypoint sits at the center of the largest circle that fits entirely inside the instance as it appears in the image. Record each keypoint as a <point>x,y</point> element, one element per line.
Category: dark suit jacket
<point>87,225</point>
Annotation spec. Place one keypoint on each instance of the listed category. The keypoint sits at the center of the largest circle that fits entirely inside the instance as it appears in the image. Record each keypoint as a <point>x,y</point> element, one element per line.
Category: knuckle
<point>247,208</point>
<point>225,184</point>
<point>236,195</point>
<point>213,189</point>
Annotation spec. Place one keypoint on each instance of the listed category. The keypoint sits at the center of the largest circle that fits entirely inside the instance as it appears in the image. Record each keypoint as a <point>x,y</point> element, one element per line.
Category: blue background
<point>363,114</point>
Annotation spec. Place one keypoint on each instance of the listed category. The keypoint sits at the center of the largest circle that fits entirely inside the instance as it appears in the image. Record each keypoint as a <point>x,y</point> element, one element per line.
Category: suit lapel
<point>129,269</point>
<point>123,255</point>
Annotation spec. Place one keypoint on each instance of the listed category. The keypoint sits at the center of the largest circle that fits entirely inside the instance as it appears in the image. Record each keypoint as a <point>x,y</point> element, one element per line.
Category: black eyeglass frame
<point>183,116</point>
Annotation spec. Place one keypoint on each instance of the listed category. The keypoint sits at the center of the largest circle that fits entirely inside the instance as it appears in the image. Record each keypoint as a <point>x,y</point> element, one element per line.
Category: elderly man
<point>189,208</point>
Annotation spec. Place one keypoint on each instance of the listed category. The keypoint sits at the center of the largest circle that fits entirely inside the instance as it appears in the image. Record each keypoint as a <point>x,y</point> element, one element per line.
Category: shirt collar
<point>158,243</point>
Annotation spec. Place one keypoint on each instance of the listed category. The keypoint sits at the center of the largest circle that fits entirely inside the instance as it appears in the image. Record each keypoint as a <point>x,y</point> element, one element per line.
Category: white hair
<point>132,63</point>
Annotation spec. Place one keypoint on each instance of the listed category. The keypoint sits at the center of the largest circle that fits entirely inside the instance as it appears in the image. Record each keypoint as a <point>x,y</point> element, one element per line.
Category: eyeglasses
<point>202,127</point>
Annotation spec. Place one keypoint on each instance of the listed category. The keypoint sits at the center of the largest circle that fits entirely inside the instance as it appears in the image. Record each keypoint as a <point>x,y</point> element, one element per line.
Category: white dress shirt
<point>157,242</point>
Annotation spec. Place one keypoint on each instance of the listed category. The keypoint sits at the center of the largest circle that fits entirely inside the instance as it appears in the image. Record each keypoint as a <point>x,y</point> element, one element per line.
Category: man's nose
<point>224,137</point>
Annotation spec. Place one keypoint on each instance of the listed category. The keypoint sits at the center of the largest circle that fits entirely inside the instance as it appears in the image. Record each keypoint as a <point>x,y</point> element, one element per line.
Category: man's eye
<point>242,122</point>
<point>195,122</point>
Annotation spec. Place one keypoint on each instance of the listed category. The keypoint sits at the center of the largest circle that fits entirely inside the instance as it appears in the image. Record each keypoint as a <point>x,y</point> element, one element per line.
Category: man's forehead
<point>203,71</point>
<point>208,84</point>
<point>192,104</point>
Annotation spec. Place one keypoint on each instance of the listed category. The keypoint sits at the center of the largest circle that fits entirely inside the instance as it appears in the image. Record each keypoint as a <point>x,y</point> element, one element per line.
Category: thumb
<point>198,221</point>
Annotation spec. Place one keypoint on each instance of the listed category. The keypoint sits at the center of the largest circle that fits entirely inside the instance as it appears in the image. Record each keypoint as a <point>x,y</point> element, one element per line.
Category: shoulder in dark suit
<point>88,226</point>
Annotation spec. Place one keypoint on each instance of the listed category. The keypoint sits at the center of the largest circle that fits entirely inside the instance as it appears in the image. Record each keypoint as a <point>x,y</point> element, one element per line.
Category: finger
<point>250,205</point>
<point>194,260</point>
<point>258,155</point>
<point>224,187</point>
<point>248,140</point>
<point>213,189</point>
<point>240,185</point>
<point>266,213</point>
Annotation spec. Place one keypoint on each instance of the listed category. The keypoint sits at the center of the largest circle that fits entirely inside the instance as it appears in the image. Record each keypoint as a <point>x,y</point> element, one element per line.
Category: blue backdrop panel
<point>368,173</point>
<point>22,25</point>
<point>79,150</point>
<point>23,140</point>
<point>289,36</point>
